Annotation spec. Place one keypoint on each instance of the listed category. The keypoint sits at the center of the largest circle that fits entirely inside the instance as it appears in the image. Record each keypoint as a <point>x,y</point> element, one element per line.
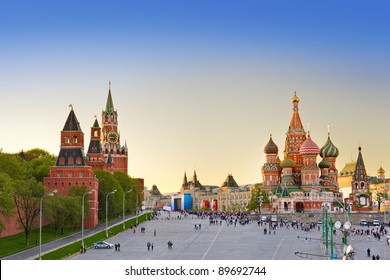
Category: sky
<point>198,84</point>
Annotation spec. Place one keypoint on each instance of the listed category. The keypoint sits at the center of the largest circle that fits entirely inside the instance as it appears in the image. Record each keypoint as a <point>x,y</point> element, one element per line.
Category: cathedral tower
<point>271,169</point>
<point>309,172</point>
<point>295,136</point>
<point>329,153</point>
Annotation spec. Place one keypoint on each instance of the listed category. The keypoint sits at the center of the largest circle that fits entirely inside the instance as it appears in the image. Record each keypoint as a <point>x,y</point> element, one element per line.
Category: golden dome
<point>295,98</point>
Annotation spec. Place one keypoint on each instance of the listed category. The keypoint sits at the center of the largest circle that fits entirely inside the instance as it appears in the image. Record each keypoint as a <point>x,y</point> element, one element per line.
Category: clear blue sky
<point>198,83</point>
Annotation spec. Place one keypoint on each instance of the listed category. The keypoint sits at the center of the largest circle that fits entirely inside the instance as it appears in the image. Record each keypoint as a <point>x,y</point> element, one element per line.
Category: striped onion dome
<point>309,147</point>
<point>329,150</point>
<point>271,147</point>
<point>287,162</point>
<point>324,164</point>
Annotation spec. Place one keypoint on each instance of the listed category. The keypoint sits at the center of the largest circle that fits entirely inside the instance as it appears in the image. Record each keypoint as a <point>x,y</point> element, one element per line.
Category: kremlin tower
<point>71,168</point>
<point>114,153</point>
<point>105,152</point>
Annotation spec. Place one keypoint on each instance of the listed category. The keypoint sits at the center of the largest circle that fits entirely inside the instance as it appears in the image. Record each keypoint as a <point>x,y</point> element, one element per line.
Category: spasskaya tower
<point>116,155</point>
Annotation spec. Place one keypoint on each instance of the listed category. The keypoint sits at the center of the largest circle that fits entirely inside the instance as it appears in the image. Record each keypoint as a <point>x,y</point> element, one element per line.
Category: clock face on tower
<point>112,137</point>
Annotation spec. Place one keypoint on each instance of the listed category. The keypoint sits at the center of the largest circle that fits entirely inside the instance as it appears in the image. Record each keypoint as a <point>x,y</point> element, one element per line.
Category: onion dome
<point>324,164</point>
<point>287,162</point>
<point>271,147</point>
<point>309,147</point>
<point>329,150</point>
<point>381,170</point>
<point>295,98</point>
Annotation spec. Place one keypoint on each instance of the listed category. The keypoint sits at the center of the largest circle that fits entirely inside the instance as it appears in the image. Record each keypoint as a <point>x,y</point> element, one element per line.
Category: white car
<point>363,222</point>
<point>375,223</point>
<point>102,244</point>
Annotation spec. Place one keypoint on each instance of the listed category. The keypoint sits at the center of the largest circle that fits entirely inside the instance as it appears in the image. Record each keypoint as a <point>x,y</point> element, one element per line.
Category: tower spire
<point>295,123</point>
<point>109,104</point>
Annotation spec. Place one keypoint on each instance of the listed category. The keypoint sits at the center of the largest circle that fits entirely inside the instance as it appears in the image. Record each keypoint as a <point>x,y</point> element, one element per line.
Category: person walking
<point>148,245</point>
<point>152,246</point>
<point>119,246</point>
<point>155,232</point>
<point>368,252</point>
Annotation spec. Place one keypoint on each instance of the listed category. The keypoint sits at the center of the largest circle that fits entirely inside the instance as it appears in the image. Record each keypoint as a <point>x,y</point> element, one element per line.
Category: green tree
<point>127,183</point>
<point>381,195</point>
<point>27,197</point>
<point>39,168</point>
<point>63,211</point>
<point>107,183</point>
<point>256,192</point>
<point>10,165</point>
<point>7,191</point>
<point>34,154</point>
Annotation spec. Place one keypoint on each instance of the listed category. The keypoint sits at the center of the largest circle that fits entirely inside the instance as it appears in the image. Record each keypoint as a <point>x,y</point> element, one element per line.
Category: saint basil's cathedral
<point>298,183</point>
<point>105,152</point>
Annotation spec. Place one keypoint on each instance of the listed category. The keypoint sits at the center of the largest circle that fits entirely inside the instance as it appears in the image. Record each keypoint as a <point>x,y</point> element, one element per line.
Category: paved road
<point>50,246</point>
<point>211,242</point>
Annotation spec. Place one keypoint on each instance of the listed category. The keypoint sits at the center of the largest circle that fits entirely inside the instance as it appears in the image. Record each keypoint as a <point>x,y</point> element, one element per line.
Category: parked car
<point>102,244</point>
<point>263,218</point>
<point>375,223</point>
<point>363,222</point>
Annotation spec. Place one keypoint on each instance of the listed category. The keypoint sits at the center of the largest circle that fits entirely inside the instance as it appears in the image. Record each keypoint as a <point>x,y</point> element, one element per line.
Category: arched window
<point>74,139</point>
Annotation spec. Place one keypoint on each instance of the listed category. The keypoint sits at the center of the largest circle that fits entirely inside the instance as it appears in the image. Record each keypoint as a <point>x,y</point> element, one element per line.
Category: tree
<point>107,183</point>
<point>34,154</point>
<point>39,168</point>
<point>381,195</point>
<point>357,203</point>
<point>27,197</point>
<point>127,183</point>
<point>10,165</point>
<point>7,191</point>
<point>63,211</point>
<point>256,192</point>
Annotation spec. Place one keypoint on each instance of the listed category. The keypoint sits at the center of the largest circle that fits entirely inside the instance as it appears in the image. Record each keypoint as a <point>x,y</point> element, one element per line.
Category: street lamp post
<point>124,207</point>
<point>40,219</point>
<point>260,205</point>
<point>107,210</point>
<point>136,209</point>
<point>82,217</point>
